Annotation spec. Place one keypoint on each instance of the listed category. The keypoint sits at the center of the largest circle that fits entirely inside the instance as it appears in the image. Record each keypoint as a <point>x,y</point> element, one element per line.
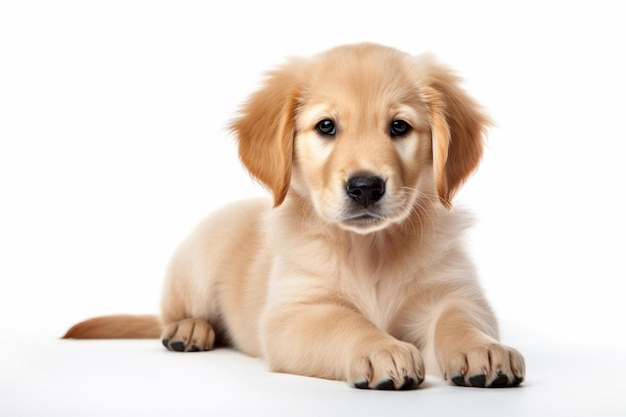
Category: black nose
<point>365,189</point>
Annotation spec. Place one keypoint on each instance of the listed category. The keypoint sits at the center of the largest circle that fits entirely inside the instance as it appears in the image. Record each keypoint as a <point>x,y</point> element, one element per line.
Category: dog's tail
<point>116,327</point>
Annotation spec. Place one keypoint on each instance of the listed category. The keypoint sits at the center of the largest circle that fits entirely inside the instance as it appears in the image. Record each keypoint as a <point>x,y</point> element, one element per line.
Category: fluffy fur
<point>364,281</point>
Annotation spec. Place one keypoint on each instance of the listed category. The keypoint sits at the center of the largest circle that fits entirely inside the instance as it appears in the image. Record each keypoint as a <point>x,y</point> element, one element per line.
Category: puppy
<point>356,270</point>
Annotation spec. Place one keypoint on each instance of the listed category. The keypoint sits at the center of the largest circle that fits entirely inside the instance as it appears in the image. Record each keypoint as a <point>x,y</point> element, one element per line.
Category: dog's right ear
<point>265,129</point>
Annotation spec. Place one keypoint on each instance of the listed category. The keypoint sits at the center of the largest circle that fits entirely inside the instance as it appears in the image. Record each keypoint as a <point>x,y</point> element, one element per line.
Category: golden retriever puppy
<point>356,271</point>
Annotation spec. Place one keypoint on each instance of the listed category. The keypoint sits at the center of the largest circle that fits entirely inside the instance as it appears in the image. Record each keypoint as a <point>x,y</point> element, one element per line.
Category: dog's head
<point>367,133</point>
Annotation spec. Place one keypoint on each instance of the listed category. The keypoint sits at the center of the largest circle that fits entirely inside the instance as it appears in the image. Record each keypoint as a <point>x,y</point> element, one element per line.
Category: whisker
<point>420,207</point>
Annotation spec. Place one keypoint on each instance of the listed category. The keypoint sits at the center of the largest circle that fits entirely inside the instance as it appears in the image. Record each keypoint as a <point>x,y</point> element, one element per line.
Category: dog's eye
<point>399,128</point>
<point>326,127</point>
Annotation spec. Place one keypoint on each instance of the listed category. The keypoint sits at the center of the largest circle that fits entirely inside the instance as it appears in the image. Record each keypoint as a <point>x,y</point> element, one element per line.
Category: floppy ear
<point>265,130</point>
<point>458,125</point>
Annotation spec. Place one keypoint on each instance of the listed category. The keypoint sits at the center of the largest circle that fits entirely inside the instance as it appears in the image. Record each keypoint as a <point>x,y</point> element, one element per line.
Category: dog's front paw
<point>389,365</point>
<point>190,335</point>
<point>488,365</point>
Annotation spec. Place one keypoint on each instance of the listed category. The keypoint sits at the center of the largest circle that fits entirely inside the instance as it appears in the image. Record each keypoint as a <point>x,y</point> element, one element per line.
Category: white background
<point>113,144</point>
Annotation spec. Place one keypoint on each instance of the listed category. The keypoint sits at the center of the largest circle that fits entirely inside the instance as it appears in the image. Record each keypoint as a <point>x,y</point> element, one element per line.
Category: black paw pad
<point>500,381</point>
<point>386,385</point>
<point>361,385</point>
<point>518,380</point>
<point>408,383</point>
<point>166,343</point>
<point>178,346</point>
<point>478,381</point>
<point>459,380</point>
<point>195,348</point>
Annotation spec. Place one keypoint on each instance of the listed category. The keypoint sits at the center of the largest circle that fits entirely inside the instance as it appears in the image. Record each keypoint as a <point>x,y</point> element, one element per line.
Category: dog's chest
<point>375,274</point>
<point>378,294</point>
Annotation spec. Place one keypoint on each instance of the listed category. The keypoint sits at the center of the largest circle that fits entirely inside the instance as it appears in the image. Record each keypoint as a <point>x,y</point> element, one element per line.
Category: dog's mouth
<point>363,219</point>
<point>364,222</point>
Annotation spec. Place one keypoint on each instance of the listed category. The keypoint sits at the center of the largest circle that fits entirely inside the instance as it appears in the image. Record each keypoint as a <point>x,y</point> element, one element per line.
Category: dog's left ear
<point>265,129</point>
<point>457,123</point>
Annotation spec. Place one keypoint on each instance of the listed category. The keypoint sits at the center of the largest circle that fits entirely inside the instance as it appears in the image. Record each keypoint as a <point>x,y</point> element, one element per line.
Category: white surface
<point>113,145</point>
<point>47,377</point>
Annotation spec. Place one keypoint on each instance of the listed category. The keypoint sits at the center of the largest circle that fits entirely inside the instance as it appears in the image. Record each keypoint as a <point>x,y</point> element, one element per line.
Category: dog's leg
<point>468,356</point>
<point>336,342</point>
<point>182,333</point>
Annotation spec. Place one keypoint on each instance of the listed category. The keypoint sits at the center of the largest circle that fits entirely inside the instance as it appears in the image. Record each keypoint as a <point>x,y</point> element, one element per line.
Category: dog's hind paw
<point>189,335</point>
